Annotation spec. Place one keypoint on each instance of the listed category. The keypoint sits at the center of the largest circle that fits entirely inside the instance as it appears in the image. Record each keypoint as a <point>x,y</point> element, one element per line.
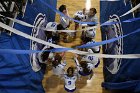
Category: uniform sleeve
<point>95,61</point>
<point>76,61</point>
<point>91,66</point>
<point>95,19</point>
<point>63,75</point>
<point>62,66</point>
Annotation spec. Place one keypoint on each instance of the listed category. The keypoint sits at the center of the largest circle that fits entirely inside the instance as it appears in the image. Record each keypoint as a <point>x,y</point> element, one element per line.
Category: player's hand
<point>76,55</point>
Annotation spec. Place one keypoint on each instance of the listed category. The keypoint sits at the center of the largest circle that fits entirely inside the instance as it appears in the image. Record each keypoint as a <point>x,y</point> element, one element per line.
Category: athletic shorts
<point>68,90</point>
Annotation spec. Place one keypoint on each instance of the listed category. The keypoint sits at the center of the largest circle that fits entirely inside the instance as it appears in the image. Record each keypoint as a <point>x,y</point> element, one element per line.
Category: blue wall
<point>120,73</point>
<point>16,75</point>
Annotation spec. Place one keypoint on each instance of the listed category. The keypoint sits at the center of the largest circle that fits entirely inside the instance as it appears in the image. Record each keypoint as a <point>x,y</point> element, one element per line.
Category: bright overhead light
<point>88,5</point>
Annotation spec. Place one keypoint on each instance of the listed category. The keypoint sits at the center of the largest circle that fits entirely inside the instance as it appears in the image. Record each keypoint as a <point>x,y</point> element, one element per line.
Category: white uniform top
<point>90,66</point>
<point>91,59</point>
<point>92,19</point>
<point>52,25</point>
<point>82,16</point>
<point>91,33</point>
<point>70,82</point>
<point>95,48</point>
<point>59,70</point>
<point>64,21</point>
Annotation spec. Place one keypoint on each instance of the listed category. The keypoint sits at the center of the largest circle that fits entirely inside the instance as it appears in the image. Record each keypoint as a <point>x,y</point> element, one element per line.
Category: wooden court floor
<point>53,84</point>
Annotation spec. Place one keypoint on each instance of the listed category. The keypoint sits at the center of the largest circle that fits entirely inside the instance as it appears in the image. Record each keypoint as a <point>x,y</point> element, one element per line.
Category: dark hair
<point>94,10</point>
<point>57,60</point>
<point>84,66</point>
<point>77,18</point>
<point>56,36</point>
<point>62,7</point>
<point>60,27</point>
<point>44,55</point>
<point>84,9</point>
<point>70,69</point>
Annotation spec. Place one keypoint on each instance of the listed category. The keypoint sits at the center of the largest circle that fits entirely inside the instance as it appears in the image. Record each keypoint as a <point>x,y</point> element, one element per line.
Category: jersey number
<point>80,13</point>
<point>90,58</point>
<point>53,25</point>
<point>69,82</point>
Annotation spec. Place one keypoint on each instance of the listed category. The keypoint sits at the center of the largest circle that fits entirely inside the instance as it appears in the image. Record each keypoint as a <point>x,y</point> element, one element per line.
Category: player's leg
<point>90,76</point>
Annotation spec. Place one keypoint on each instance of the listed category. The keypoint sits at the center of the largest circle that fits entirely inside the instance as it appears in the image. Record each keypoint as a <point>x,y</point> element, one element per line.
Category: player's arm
<point>76,74</point>
<point>63,62</point>
<point>62,76</point>
<point>76,61</point>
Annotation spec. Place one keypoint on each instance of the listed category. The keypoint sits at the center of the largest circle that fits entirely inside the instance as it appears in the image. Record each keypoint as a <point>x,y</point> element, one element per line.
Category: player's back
<point>92,19</point>
<point>70,82</point>
<point>81,15</point>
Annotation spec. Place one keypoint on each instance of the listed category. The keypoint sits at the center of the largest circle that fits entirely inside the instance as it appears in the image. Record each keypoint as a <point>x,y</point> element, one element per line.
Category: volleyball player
<point>69,79</point>
<point>80,16</point>
<point>86,65</point>
<point>51,37</point>
<point>92,17</point>
<point>58,65</point>
<point>90,31</point>
<point>65,22</point>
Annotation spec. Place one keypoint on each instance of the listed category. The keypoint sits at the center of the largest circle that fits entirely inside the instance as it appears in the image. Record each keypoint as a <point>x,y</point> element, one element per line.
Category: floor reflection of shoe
<point>89,78</point>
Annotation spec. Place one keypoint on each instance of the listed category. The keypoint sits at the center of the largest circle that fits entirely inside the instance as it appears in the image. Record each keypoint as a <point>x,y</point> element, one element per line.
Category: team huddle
<point>84,65</point>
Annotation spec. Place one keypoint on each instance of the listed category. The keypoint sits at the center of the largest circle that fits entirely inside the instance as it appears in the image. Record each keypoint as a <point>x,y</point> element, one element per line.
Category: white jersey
<point>89,59</point>
<point>52,26</point>
<point>59,70</point>
<point>95,48</point>
<point>70,82</point>
<point>80,14</point>
<point>90,66</point>
<point>91,33</point>
<point>64,21</point>
<point>92,19</point>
